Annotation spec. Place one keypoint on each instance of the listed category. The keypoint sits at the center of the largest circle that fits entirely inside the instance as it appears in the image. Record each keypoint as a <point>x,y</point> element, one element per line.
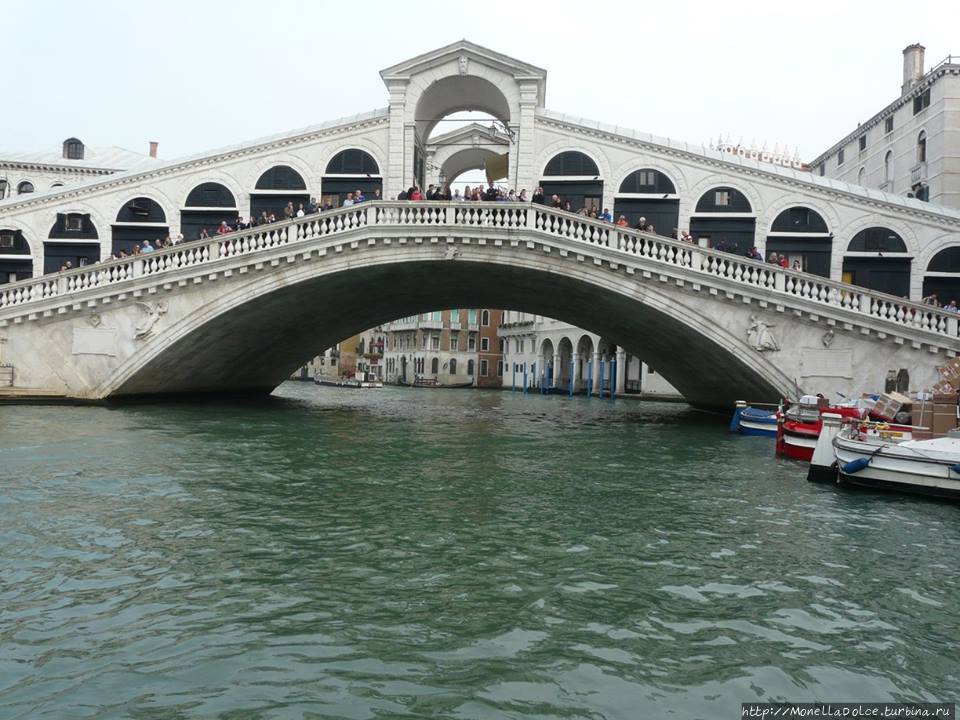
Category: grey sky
<point>201,74</point>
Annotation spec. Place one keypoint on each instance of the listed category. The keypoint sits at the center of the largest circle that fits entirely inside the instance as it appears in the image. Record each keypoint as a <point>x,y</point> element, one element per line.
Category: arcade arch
<point>724,219</point>
<point>16,261</point>
<point>877,259</point>
<point>351,169</point>
<point>139,219</point>
<point>206,206</point>
<point>801,234</point>
<point>649,194</point>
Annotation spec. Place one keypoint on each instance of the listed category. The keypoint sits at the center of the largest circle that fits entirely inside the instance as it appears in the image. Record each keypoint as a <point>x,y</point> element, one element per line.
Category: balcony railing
<point>621,245</point>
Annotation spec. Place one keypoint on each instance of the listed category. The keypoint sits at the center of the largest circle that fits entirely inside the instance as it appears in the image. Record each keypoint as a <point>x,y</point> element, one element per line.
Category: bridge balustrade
<point>508,216</point>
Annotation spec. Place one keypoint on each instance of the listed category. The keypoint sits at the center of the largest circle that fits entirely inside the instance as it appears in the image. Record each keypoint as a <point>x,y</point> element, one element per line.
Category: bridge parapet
<point>447,219</point>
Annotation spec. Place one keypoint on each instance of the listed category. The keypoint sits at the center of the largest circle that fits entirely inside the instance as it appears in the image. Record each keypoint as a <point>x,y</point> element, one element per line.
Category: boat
<point>798,425</point>
<point>360,380</point>
<point>750,420</point>
<point>871,455</point>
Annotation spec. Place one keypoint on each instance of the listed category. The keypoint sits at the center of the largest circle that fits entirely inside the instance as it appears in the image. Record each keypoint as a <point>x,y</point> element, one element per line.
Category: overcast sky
<point>198,75</point>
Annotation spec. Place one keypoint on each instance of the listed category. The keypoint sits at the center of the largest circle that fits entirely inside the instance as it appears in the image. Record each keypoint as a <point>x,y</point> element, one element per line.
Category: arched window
<point>888,168</point>
<point>470,368</point>
<point>799,219</point>
<point>922,146</point>
<point>72,149</point>
<point>724,199</point>
<point>947,260</point>
<point>861,176</point>
<point>435,366</point>
<point>25,187</point>
<point>352,162</point>
<point>485,318</point>
<point>4,187</point>
<point>281,177</point>
<point>141,210</point>
<point>210,195</point>
<point>572,163</point>
<point>877,239</point>
<point>453,366</point>
<point>647,182</point>
<point>56,185</point>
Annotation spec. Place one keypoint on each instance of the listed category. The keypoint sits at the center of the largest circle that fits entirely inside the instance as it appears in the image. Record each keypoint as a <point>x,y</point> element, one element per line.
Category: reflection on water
<point>350,554</point>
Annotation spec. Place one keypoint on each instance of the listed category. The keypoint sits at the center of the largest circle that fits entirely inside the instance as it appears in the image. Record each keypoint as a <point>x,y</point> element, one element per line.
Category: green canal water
<point>450,554</point>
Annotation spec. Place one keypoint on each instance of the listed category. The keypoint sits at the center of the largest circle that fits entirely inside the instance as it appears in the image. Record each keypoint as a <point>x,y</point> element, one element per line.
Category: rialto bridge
<point>242,312</point>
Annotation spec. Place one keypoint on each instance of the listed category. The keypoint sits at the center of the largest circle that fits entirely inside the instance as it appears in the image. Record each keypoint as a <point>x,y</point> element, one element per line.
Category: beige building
<point>450,348</point>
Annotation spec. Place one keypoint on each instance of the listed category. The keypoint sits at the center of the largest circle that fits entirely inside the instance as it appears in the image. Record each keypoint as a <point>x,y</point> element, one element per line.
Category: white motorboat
<point>878,460</point>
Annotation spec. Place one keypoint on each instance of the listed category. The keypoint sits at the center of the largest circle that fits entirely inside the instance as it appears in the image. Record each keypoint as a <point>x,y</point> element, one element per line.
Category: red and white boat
<point>798,426</point>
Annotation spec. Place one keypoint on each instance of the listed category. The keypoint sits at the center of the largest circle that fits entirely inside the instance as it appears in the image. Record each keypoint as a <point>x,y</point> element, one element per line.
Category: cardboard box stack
<point>943,416</point>
<point>890,404</point>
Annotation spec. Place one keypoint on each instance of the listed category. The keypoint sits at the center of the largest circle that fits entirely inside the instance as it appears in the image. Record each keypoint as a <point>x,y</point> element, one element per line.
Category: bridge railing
<point>507,216</point>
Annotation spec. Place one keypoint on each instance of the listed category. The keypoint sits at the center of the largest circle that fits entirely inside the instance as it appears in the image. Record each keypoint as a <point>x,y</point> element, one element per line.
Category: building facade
<point>543,353</point>
<point>912,146</point>
<point>449,348</point>
<point>835,228</point>
<point>361,353</point>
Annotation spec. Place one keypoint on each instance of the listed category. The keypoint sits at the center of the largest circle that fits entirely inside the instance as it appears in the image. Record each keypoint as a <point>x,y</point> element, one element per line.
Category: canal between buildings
<point>450,554</point>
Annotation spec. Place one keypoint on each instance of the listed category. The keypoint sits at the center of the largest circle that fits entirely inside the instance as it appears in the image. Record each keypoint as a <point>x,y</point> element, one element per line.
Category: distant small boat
<point>361,380</point>
<point>749,420</point>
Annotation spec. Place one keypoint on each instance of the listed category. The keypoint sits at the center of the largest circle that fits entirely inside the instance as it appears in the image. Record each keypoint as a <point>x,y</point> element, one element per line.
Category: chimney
<point>154,143</point>
<point>912,67</point>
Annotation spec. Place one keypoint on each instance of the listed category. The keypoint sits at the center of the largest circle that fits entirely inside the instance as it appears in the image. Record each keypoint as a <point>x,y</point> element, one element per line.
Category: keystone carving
<point>152,312</point>
<point>95,320</point>
<point>827,338</point>
<point>760,337</point>
<point>463,63</point>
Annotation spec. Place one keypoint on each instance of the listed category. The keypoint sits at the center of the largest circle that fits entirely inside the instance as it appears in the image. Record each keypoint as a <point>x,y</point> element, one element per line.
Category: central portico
<point>461,76</point>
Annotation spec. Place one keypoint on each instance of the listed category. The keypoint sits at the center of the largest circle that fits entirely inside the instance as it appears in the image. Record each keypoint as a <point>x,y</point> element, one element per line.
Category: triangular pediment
<point>486,134</point>
<point>464,48</point>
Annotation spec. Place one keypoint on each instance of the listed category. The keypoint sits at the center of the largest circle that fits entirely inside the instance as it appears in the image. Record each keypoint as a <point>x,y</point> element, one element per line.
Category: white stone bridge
<point>240,312</point>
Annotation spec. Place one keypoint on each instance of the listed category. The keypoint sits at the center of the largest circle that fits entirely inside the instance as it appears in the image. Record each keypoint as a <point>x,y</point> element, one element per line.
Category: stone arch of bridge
<point>254,332</point>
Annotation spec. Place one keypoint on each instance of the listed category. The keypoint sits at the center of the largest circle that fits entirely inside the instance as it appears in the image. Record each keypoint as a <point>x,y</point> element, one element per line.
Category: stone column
<point>394,177</point>
<point>621,371</point>
<point>541,371</point>
<point>523,150</point>
<point>596,373</point>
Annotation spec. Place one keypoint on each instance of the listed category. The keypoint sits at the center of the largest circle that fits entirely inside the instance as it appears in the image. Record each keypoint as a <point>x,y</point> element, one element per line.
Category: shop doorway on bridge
<point>348,171</point>
<point>573,177</point>
<point>877,259</point>
<point>651,195</point>
<point>208,204</point>
<point>942,277</point>
<point>74,239</point>
<point>545,365</point>
<point>724,219</point>
<point>139,219</point>
<point>802,235</point>
<point>16,262</point>
<point>278,186</point>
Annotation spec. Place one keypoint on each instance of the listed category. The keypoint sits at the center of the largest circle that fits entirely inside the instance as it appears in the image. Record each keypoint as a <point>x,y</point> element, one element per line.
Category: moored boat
<point>750,420</point>
<point>799,425</point>
<point>927,467</point>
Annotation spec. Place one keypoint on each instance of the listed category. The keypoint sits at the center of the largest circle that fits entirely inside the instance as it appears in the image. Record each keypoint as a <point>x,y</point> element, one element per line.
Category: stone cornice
<point>128,178</point>
<point>727,166</point>
<point>49,167</point>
